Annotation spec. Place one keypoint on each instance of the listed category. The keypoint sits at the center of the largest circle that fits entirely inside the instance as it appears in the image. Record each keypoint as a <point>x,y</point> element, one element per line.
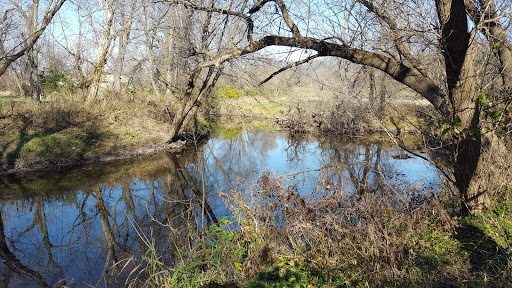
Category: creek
<point>79,225</point>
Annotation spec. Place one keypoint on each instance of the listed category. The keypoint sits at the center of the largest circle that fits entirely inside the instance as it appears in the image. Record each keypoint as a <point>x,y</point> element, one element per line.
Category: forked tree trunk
<point>478,157</point>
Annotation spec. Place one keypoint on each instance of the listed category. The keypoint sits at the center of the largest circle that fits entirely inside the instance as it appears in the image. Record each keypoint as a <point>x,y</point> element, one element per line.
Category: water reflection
<point>77,226</point>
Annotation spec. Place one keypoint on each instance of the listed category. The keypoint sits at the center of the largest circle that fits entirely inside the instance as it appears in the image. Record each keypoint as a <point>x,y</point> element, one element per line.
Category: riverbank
<point>64,132</point>
<point>278,238</point>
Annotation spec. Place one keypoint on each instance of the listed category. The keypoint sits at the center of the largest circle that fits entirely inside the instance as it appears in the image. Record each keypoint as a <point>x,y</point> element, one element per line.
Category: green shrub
<point>253,92</point>
<point>228,91</point>
<point>52,80</point>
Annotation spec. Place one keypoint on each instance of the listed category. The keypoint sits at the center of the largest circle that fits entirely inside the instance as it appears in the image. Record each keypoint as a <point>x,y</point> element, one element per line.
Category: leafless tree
<point>34,28</point>
<point>108,11</point>
<point>414,31</point>
<point>127,13</point>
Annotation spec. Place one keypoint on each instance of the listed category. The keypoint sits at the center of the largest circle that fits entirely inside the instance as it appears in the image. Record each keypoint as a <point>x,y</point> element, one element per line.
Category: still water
<point>79,226</point>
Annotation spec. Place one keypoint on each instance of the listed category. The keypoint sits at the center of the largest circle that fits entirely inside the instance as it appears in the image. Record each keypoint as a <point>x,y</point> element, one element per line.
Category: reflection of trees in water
<point>359,167</point>
<point>183,193</point>
<point>239,155</point>
<point>361,163</point>
<point>13,265</point>
<point>97,227</point>
<point>297,149</point>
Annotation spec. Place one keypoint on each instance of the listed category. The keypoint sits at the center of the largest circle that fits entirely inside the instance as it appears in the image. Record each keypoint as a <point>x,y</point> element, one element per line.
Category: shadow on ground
<point>489,264</point>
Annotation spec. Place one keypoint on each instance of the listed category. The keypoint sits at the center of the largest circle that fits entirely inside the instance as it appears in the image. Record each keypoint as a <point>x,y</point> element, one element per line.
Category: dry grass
<point>283,232</point>
<point>62,129</point>
<point>354,239</point>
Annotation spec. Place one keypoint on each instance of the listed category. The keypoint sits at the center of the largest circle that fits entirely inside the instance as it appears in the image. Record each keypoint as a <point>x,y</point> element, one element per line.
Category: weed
<point>253,92</point>
<point>228,91</point>
<point>496,223</point>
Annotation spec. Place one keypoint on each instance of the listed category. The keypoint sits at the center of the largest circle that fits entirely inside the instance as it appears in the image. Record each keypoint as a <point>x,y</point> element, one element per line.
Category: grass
<point>12,98</point>
<point>278,238</point>
<point>63,129</point>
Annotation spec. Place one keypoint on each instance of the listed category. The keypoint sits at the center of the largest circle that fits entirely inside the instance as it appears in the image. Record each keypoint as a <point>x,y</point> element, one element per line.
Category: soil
<point>101,158</point>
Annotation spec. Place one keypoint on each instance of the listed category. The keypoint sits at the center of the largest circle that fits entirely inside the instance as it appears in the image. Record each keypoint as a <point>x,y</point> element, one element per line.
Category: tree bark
<point>33,63</point>
<point>103,48</point>
<point>478,154</point>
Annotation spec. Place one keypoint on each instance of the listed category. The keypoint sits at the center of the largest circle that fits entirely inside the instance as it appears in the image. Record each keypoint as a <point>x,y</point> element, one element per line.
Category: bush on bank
<point>337,238</point>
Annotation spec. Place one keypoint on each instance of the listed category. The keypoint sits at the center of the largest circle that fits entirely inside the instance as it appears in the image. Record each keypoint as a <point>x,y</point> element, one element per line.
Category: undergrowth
<point>63,128</point>
<point>282,235</point>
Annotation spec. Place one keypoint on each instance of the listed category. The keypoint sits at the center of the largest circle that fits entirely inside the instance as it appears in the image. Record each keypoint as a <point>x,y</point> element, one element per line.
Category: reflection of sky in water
<point>77,238</point>
<point>416,169</point>
<point>283,158</point>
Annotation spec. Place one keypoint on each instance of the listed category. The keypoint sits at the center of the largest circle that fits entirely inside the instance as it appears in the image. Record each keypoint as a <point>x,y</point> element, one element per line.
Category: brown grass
<point>379,239</point>
<point>63,129</point>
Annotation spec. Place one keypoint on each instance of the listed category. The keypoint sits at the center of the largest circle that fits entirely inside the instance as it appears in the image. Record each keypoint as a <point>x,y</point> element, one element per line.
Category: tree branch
<point>409,76</point>
<point>488,23</point>
<point>402,49</point>
<point>248,19</point>
<point>288,67</point>
<point>32,39</point>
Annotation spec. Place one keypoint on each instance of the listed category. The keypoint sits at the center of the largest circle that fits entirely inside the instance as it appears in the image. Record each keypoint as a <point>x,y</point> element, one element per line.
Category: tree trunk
<point>372,96</point>
<point>124,40</point>
<point>382,95</point>
<point>148,36</point>
<point>103,48</point>
<point>32,68</point>
<point>32,65</point>
<point>478,156</point>
<point>153,76</point>
<point>119,62</point>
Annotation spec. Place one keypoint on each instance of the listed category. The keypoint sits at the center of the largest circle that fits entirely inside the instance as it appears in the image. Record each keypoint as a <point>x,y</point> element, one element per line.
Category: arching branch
<point>32,39</point>
<point>402,73</point>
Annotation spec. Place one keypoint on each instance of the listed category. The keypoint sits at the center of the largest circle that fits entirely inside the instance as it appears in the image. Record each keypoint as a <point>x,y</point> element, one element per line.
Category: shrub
<point>253,92</point>
<point>228,91</point>
<point>52,80</point>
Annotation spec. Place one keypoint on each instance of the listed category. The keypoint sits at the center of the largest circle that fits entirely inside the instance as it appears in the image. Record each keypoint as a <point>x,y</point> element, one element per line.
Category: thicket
<point>283,235</point>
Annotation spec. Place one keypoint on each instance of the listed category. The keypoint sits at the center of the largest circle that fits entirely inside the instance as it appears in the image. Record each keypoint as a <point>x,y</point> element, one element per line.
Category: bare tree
<point>150,26</point>
<point>34,29</point>
<point>418,30</point>
<point>127,14</point>
<point>218,33</point>
<point>108,10</point>
<point>27,46</point>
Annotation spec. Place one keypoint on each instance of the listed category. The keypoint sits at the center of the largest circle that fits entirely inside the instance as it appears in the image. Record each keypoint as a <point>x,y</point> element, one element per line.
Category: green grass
<point>263,125</point>
<point>12,98</point>
<point>228,91</point>
<point>496,223</point>
<point>269,109</point>
<point>253,92</point>
<point>230,133</point>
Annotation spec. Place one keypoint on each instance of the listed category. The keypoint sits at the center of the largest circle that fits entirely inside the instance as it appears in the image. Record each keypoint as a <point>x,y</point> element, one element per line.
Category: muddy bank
<point>25,167</point>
